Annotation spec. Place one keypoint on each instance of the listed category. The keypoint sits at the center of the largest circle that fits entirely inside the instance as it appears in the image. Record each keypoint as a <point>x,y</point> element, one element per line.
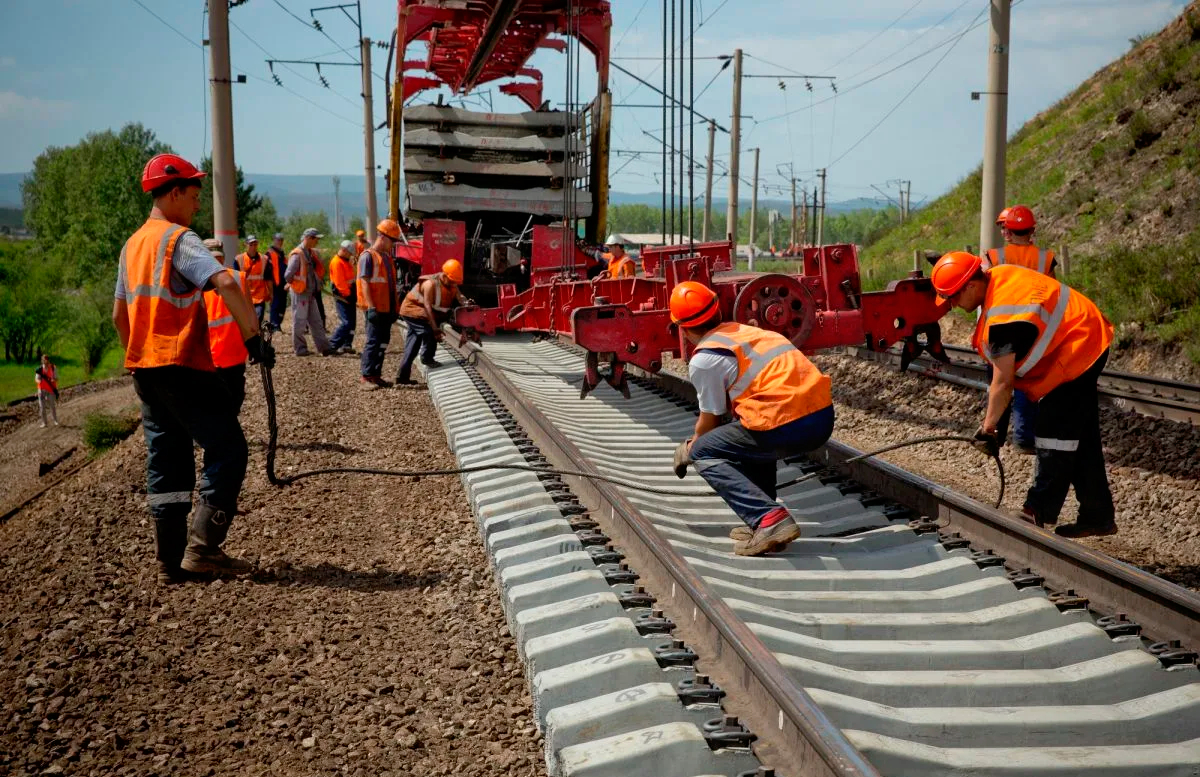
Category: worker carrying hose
<point>1050,341</point>
<point>781,403</point>
<point>160,317</point>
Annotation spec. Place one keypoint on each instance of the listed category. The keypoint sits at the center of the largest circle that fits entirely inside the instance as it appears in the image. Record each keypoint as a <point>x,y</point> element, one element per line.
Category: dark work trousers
<point>347,310</point>
<point>320,300</point>
<point>379,334</point>
<point>279,300</point>
<point>421,337</point>
<point>1071,453</point>
<point>259,309</point>
<point>180,406</point>
<point>234,379</point>
<point>740,464</point>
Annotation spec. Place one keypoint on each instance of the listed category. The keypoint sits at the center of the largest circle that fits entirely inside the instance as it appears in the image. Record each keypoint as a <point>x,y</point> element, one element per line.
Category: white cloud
<point>17,107</point>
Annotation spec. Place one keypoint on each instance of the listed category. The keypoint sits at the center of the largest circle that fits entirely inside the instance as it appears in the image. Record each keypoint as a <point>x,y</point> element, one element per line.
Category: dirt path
<point>371,641</point>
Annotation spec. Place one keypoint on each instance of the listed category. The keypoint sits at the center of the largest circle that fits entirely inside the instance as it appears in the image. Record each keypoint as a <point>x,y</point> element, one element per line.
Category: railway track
<point>910,631</point>
<point>1143,394</point>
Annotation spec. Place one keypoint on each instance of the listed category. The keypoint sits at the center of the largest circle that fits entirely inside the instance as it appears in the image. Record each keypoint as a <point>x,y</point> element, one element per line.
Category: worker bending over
<point>782,406</point>
<point>159,314</point>
<point>377,298</point>
<point>224,339</point>
<point>1050,341</point>
<point>423,306</point>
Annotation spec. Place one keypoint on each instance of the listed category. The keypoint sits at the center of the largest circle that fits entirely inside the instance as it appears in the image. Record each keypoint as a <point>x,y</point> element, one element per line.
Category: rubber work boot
<point>204,555</point>
<point>774,533</point>
<point>170,542</point>
<point>741,533</point>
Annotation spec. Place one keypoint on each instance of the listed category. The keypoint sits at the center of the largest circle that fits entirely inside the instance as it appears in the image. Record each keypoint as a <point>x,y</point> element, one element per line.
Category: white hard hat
<point>614,240</point>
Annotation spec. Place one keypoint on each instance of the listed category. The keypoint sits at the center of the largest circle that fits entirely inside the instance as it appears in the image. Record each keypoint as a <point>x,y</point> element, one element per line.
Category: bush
<point>91,314</point>
<point>102,431</point>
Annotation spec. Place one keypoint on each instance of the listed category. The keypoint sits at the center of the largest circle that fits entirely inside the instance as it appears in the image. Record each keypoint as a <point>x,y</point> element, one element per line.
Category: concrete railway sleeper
<point>874,645</point>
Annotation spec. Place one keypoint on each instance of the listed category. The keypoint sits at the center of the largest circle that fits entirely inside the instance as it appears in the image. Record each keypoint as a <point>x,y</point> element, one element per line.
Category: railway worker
<point>303,277</point>
<point>782,406</point>
<point>258,276</point>
<point>224,340</point>
<point>616,263</point>
<point>46,378</point>
<point>423,306</point>
<point>159,315</point>
<point>360,242</point>
<point>1050,341</point>
<point>279,288</point>
<point>377,299</point>
<point>343,269</point>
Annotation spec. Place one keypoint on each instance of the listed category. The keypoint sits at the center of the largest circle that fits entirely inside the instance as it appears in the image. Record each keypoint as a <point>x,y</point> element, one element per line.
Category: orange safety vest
<point>378,290</point>
<point>1072,332</point>
<point>341,274</point>
<point>165,328</point>
<point>278,265</point>
<point>224,336</point>
<point>1031,257</point>
<point>257,284</point>
<point>776,383</point>
<point>413,305</point>
<point>620,268</point>
<point>299,281</point>
<point>47,379</point>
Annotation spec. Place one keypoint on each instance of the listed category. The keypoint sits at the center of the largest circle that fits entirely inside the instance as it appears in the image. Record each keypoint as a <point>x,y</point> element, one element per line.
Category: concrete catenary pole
<point>821,212</point>
<point>224,181</point>
<point>753,212</point>
<point>708,176</point>
<point>369,140</point>
<point>995,134</point>
<point>735,148</point>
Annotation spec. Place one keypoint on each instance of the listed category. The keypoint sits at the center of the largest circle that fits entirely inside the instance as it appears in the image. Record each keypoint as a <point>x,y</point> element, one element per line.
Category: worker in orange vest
<point>782,406</point>
<point>159,314</point>
<point>377,298</point>
<point>424,308</point>
<point>1050,341</point>
<point>360,243</point>
<point>1019,225</point>
<point>612,262</point>
<point>224,340</point>
<point>258,276</point>
<point>46,378</point>
<point>279,287</point>
<point>304,275</point>
<point>343,270</point>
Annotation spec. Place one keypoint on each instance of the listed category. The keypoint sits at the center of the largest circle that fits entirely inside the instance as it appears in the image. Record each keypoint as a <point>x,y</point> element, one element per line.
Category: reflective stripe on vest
<point>256,284</point>
<point>776,383</point>
<point>620,268</point>
<point>417,296</point>
<point>378,290</point>
<point>224,335</point>
<point>299,281</point>
<point>165,328</point>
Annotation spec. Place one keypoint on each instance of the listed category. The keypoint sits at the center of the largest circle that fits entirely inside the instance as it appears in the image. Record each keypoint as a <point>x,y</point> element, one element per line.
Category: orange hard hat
<point>360,233</point>
<point>692,304</point>
<point>386,227</point>
<point>1002,216</point>
<point>165,168</point>
<point>952,272</point>
<point>454,270</point>
<point>1019,218</point>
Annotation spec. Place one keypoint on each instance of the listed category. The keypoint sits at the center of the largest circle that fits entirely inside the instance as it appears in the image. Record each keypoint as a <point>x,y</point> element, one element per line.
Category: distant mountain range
<point>315,192</point>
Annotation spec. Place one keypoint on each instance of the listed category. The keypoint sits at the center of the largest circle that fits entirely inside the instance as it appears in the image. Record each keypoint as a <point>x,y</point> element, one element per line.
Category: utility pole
<point>735,147</point>
<point>802,227</point>
<point>337,205</point>
<point>907,199</point>
<point>708,176</point>
<point>814,215</point>
<point>995,134</point>
<point>753,211</point>
<point>369,139</point>
<point>821,216</point>
<point>224,172</point>
<point>792,236</point>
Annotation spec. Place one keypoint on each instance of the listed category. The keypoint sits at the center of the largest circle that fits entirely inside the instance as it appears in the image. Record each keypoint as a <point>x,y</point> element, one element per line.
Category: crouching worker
<point>781,403</point>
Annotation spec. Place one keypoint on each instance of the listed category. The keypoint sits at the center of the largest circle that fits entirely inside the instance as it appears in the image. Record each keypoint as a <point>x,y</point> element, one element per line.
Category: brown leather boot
<point>209,528</point>
<point>769,539</point>
<point>741,533</point>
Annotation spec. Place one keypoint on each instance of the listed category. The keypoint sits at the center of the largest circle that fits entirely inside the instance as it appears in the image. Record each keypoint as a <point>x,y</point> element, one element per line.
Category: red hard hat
<point>952,272</point>
<point>692,304</point>
<point>165,168</point>
<point>1019,218</point>
<point>1002,216</point>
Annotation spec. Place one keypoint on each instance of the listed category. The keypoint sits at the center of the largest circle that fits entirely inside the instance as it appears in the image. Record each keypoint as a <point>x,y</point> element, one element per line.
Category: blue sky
<point>68,67</point>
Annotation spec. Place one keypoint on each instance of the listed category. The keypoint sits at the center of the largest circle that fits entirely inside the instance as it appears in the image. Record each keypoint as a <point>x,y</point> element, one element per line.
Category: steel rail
<point>794,734</point>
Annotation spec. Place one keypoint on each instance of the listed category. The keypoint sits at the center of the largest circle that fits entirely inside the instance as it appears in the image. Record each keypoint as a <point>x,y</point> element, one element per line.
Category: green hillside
<point>1113,173</point>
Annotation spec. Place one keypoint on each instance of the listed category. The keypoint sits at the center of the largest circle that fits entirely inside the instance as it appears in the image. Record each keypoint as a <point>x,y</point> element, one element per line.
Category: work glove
<point>683,457</point>
<point>987,443</point>
<point>260,352</point>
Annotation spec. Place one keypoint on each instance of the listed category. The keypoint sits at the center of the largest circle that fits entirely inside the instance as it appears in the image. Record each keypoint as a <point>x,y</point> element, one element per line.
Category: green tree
<point>264,222</point>
<point>356,223</point>
<point>91,324</point>
<point>30,304</point>
<point>301,220</point>
<point>247,201</point>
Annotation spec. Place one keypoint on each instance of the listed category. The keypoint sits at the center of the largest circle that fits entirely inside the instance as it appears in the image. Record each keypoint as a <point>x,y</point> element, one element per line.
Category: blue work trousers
<point>379,334</point>
<point>1022,413</point>
<point>421,338</point>
<point>740,464</point>
<point>182,406</point>
<point>279,299</point>
<point>343,336</point>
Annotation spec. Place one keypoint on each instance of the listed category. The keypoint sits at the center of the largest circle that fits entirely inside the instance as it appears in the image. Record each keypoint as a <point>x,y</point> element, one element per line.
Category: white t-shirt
<point>713,373</point>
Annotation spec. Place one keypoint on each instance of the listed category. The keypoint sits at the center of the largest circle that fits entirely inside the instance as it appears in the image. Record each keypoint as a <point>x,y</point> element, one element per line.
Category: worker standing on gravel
<point>258,276</point>
<point>303,278</point>
<point>377,297</point>
<point>160,317</point>
<point>224,339</point>
<point>782,404</point>
<point>279,288</point>
<point>423,306</point>
<point>1050,341</point>
<point>343,269</point>
<point>46,378</point>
